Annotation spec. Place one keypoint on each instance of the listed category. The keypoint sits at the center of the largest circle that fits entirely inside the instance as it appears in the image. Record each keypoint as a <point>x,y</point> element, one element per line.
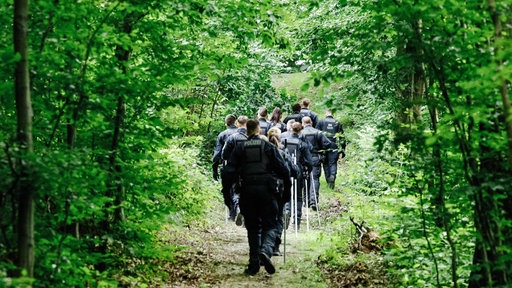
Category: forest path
<point>218,251</point>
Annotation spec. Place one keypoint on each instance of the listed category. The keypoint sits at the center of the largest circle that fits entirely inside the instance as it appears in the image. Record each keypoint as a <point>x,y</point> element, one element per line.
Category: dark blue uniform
<point>229,189</point>
<point>257,163</point>
<point>331,128</point>
<point>318,144</point>
<point>306,112</point>
<point>300,152</point>
<point>217,152</point>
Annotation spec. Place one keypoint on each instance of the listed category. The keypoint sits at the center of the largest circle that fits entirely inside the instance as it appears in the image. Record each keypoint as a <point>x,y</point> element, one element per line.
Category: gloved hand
<point>227,197</point>
<point>215,173</point>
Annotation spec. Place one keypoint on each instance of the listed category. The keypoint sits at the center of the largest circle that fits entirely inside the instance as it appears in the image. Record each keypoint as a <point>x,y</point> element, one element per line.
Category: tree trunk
<point>25,189</point>
<point>413,81</point>
<point>115,184</point>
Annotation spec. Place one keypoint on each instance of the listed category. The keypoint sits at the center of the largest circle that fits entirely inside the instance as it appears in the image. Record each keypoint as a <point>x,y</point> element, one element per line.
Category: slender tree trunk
<point>414,82</point>
<point>24,134</point>
<point>441,213</point>
<point>115,184</point>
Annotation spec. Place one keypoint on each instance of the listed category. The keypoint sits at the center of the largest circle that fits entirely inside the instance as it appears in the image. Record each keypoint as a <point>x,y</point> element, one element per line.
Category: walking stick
<point>307,189</point>
<point>295,199</point>
<point>284,237</point>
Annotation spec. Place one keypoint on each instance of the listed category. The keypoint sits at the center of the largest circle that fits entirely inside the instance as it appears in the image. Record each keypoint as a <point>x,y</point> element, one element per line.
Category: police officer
<point>219,144</point>
<point>255,162</point>
<point>333,129</point>
<point>295,114</point>
<point>262,118</point>
<point>229,189</point>
<point>318,144</point>
<point>305,111</point>
<point>300,152</point>
<point>274,135</point>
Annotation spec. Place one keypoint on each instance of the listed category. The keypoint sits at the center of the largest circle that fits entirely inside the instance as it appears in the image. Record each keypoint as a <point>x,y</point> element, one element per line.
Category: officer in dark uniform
<point>318,144</point>
<point>256,163</point>
<point>306,112</point>
<point>300,152</point>
<point>274,135</point>
<point>219,144</point>
<point>229,189</point>
<point>295,114</point>
<point>262,118</point>
<point>332,129</point>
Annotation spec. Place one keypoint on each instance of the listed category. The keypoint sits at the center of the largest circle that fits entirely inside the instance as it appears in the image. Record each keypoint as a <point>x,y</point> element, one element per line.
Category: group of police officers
<point>261,160</point>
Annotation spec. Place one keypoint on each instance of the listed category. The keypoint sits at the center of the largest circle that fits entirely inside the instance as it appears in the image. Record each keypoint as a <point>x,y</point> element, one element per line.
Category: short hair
<point>296,107</point>
<point>296,127</point>
<point>230,119</point>
<point>306,120</point>
<point>253,127</point>
<point>306,102</point>
<point>242,120</point>
<point>263,111</point>
<point>290,123</point>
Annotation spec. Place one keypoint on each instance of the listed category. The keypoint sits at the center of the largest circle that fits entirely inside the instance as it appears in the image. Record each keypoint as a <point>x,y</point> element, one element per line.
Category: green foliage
<point>425,78</point>
<point>122,93</point>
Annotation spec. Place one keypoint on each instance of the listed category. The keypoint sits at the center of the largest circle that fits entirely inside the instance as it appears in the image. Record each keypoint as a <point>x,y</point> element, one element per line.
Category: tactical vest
<point>311,135</point>
<point>280,126</point>
<point>293,146</point>
<point>329,128</point>
<point>305,112</point>
<point>233,140</point>
<point>256,161</point>
<point>264,127</point>
<point>295,116</point>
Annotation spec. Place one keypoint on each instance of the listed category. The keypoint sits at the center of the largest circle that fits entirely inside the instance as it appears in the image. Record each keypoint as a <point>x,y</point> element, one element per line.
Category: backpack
<point>295,116</point>
<point>329,127</point>
<point>292,145</point>
<point>305,112</point>
<point>264,127</point>
<point>279,125</point>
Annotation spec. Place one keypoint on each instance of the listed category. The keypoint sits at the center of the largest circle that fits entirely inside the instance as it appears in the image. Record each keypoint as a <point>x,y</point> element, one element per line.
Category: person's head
<point>306,120</point>
<point>306,102</point>
<point>289,124</point>
<point>253,127</point>
<point>296,107</point>
<point>276,115</point>
<point>328,112</point>
<point>262,112</point>
<point>242,121</point>
<point>274,136</point>
<point>230,120</point>
<point>296,128</point>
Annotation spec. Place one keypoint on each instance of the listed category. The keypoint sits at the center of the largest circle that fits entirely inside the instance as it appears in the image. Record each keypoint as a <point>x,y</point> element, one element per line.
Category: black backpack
<point>264,127</point>
<point>304,113</point>
<point>292,145</point>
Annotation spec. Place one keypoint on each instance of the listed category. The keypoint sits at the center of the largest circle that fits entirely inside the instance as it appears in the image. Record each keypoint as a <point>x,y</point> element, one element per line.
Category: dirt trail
<point>218,254</point>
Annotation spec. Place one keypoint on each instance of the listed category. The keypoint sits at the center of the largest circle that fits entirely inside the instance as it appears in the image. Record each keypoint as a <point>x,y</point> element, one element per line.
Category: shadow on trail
<point>217,255</point>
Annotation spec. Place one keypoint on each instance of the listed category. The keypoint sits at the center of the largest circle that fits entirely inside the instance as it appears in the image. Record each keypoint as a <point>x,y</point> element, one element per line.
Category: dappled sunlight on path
<point>223,249</point>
